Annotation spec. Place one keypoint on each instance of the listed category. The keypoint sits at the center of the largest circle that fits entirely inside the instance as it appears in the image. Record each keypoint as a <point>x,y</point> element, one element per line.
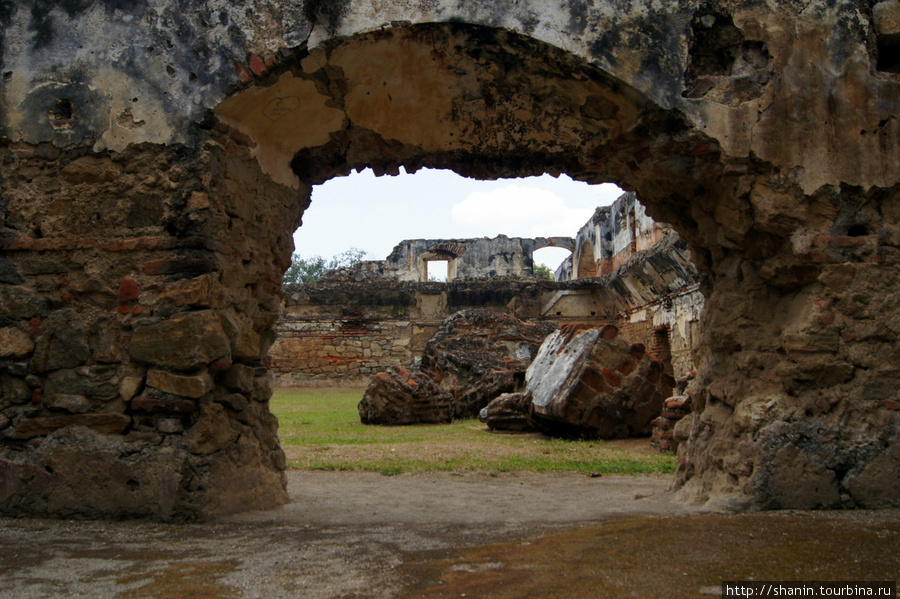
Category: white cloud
<point>520,211</point>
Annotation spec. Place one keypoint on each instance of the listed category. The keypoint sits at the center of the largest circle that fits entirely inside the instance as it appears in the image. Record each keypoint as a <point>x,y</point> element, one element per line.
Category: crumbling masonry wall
<point>177,148</point>
<point>467,259</point>
<point>356,323</point>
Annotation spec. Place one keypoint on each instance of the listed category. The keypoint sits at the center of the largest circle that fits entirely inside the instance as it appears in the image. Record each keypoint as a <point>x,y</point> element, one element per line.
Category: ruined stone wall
<point>484,258</point>
<point>342,333</point>
<point>767,136</point>
<point>135,322</point>
<point>612,235</point>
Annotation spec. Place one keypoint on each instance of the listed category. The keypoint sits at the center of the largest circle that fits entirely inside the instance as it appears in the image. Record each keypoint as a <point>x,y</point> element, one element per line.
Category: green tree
<point>310,270</point>
<point>542,271</point>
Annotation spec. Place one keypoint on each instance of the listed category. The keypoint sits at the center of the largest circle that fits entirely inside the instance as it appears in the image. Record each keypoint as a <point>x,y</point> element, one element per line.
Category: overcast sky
<point>375,213</point>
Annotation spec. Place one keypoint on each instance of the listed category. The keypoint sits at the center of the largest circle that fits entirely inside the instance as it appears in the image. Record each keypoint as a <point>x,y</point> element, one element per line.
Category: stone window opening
<point>441,269</point>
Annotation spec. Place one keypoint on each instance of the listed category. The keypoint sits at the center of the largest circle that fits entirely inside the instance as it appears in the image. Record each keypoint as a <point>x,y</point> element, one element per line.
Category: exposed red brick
<point>35,327</point>
<point>242,74</point>
<point>674,404</point>
<point>613,378</point>
<point>257,65</point>
<point>592,378</point>
<point>637,350</point>
<point>129,290</point>
<point>609,332</point>
<point>627,366</point>
<point>827,318</point>
<point>134,244</point>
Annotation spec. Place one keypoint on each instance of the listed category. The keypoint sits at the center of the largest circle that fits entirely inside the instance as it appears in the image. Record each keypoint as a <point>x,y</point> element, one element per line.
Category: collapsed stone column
<point>139,293</point>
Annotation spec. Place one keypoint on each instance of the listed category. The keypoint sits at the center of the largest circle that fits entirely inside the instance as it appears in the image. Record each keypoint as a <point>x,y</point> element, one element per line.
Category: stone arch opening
<point>490,103</point>
<point>485,103</point>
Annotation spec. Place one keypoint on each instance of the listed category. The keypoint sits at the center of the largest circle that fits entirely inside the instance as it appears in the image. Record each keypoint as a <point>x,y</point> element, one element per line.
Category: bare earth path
<point>364,535</point>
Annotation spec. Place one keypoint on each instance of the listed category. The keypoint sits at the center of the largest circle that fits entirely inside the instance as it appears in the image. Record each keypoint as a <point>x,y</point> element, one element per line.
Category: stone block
<point>234,401</point>
<point>184,342</point>
<point>245,342</point>
<point>15,344</point>
<point>13,391</point>
<point>98,382</point>
<point>89,169</point>
<point>129,387</point>
<point>194,386</point>
<point>28,428</point>
<point>571,398</point>
<point>478,354</point>
<point>155,405</point>
<point>509,412</point>
<point>263,386</point>
<point>204,291</point>
<point>67,402</point>
<point>9,274</point>
<point>886,17</point>
<point>240,378</point>
<point>398,396</point>
<point>212,432</point>
<point>170,426</point>
<point>63,344</point>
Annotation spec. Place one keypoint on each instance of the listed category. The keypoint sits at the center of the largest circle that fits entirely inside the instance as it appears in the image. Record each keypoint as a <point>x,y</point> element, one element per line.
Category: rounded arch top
<point>482,101</point>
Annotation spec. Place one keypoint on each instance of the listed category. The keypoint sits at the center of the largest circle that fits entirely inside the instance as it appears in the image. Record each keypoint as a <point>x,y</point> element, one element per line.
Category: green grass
<point>320,430</point>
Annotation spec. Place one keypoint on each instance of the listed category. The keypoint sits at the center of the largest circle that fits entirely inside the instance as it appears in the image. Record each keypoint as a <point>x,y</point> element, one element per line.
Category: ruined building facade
<point>467,259</point>
<point>360,320</point>
<point>155,161</point>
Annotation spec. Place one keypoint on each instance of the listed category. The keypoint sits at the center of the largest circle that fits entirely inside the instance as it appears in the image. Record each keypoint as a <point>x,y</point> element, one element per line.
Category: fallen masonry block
<point>509,412</point>
<point>587,383</point>
<point>479,354</point>
<point>398,396</point>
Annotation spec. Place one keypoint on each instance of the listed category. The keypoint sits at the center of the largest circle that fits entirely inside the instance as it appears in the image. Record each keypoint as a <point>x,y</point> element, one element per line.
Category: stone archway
<point>140,282</point>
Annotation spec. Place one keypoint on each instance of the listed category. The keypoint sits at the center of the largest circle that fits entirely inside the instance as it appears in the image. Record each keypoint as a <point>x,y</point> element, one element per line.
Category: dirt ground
<point>364,535</point>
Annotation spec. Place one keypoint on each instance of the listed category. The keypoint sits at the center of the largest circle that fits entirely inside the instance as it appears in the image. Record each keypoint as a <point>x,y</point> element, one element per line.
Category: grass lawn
<point>320,430</point>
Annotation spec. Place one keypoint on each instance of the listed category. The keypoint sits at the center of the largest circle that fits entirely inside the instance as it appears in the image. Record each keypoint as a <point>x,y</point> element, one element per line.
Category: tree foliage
<point>542,271</point>
<point>310,270</point>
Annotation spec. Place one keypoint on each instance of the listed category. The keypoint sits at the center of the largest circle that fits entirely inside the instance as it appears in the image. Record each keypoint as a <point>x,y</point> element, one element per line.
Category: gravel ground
<point>364,535</point>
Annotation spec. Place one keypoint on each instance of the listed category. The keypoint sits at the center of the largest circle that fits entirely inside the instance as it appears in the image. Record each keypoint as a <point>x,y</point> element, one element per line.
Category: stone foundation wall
<point>135,320</point>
